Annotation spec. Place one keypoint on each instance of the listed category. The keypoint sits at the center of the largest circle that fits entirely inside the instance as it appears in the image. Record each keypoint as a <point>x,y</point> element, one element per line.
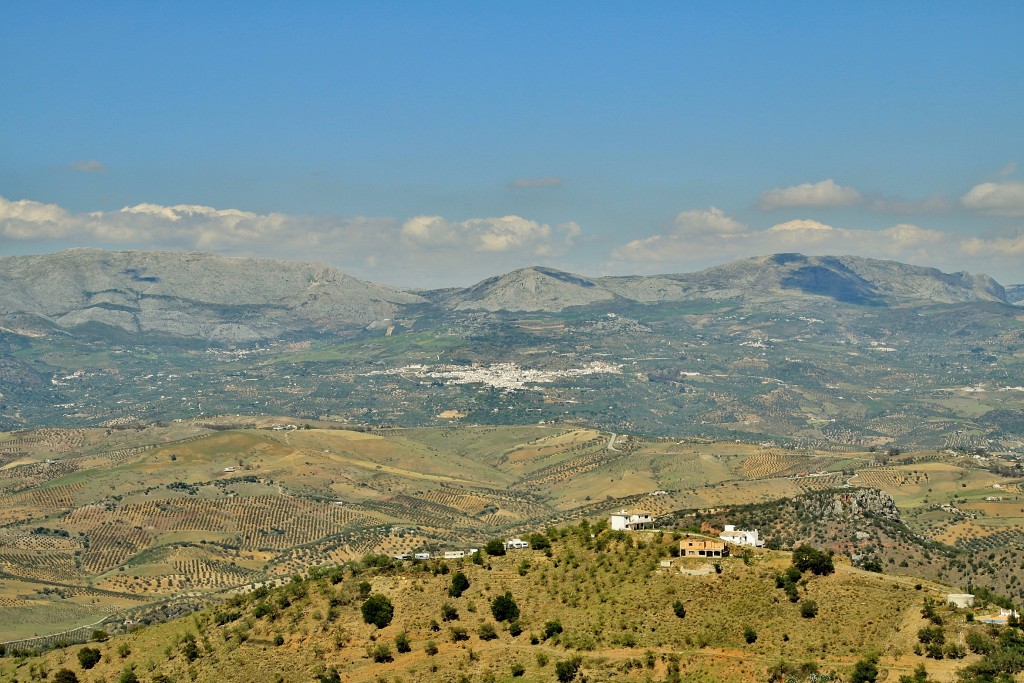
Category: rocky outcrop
<point>854,504</point>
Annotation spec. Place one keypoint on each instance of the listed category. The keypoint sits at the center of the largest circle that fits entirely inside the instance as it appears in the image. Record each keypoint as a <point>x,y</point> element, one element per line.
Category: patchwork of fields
<point>96,521</point>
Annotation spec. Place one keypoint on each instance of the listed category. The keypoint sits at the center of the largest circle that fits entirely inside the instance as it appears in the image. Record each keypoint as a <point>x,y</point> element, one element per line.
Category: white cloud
<point>89,166</point>
<point>482,235</point>
<point>527,183</point>
<point>1000,199</point>
<point>709,221</point>
<point>800,231</point>
<point>825,194</point>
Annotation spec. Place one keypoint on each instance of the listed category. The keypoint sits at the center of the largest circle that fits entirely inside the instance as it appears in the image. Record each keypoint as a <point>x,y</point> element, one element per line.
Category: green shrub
<point>378,610</point>
<point>65,676</point>
<point>261,610</point>
<point>749,635</point>
<point>865,670</point>
<point>449,613</point>
<point>552,628</point>
<point>458,634</point>
<point>329,676</point>
<point>679,608</point>
<point>807,558</point>
<point>518,670</point>
<point>504,607</point>
<point>495,547</point>
<point>459,585</point>
<point>487,631</point>
<point>538,541</point>
<point>189,649</point>
<point>381,653</point>
<point>566,669</point>
<point>808,609</point>
<point>931,634</point>
<point>89,657</point>
<point>402,642</point>
<point>979,643</point>
<point>430,647</point>
<point>872,565</point>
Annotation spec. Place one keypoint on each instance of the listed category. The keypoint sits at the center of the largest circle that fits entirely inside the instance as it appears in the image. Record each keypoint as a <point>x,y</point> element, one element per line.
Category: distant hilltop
<point>238,300</point>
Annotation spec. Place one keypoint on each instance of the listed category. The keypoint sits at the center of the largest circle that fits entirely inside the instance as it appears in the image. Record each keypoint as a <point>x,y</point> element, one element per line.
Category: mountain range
<point>239,300</point>
<point>825,352</point>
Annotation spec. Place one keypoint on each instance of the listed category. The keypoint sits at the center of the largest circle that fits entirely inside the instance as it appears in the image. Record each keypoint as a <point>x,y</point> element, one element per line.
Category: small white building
<point>631,520</point>
<point>749,538</point>
<point>454,554</point>
<point>516,544</point>
<point>961,600</point>
<point>421,556</point>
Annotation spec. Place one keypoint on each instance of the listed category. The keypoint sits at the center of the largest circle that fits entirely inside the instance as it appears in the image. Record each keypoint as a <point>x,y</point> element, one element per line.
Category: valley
<point>150,471</point>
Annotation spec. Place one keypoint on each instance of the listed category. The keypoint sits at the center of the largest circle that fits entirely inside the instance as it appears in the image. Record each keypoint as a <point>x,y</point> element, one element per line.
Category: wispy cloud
<point>1007,170</point>
<point>825,194</point>
<point>995,246</point>
<point>933,205</point>
<point>999,199</point>
<point>89,166</point>
<point>526,183</point>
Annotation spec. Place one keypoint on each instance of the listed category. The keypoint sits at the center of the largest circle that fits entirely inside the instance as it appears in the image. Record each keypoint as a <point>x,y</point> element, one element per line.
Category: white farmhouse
<point>631,520</point>
<point>516,544</point>
<point>730,535</point>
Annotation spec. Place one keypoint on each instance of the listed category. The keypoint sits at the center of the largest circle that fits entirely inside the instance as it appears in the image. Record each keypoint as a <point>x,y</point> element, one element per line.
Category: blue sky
<point>431,144</point>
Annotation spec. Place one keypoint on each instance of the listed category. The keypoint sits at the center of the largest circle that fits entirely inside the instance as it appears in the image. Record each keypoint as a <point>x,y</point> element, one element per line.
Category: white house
<point>454,554</point>
<point>516,544</point>
<point>730,535</point>
<point>421,556</point>
<point>631,521</point>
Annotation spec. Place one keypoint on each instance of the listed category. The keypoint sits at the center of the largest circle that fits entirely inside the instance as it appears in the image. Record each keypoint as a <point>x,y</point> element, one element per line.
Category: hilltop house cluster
<point>510,544</point>
<point>698,546</point>
<point>691,546</point>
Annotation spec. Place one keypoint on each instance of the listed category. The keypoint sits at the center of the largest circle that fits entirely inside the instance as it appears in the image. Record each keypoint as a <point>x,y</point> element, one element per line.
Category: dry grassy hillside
<point>616,607</point>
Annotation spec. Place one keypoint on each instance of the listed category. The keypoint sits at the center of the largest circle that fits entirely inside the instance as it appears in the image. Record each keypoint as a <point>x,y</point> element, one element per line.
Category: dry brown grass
<point>609,593</point>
